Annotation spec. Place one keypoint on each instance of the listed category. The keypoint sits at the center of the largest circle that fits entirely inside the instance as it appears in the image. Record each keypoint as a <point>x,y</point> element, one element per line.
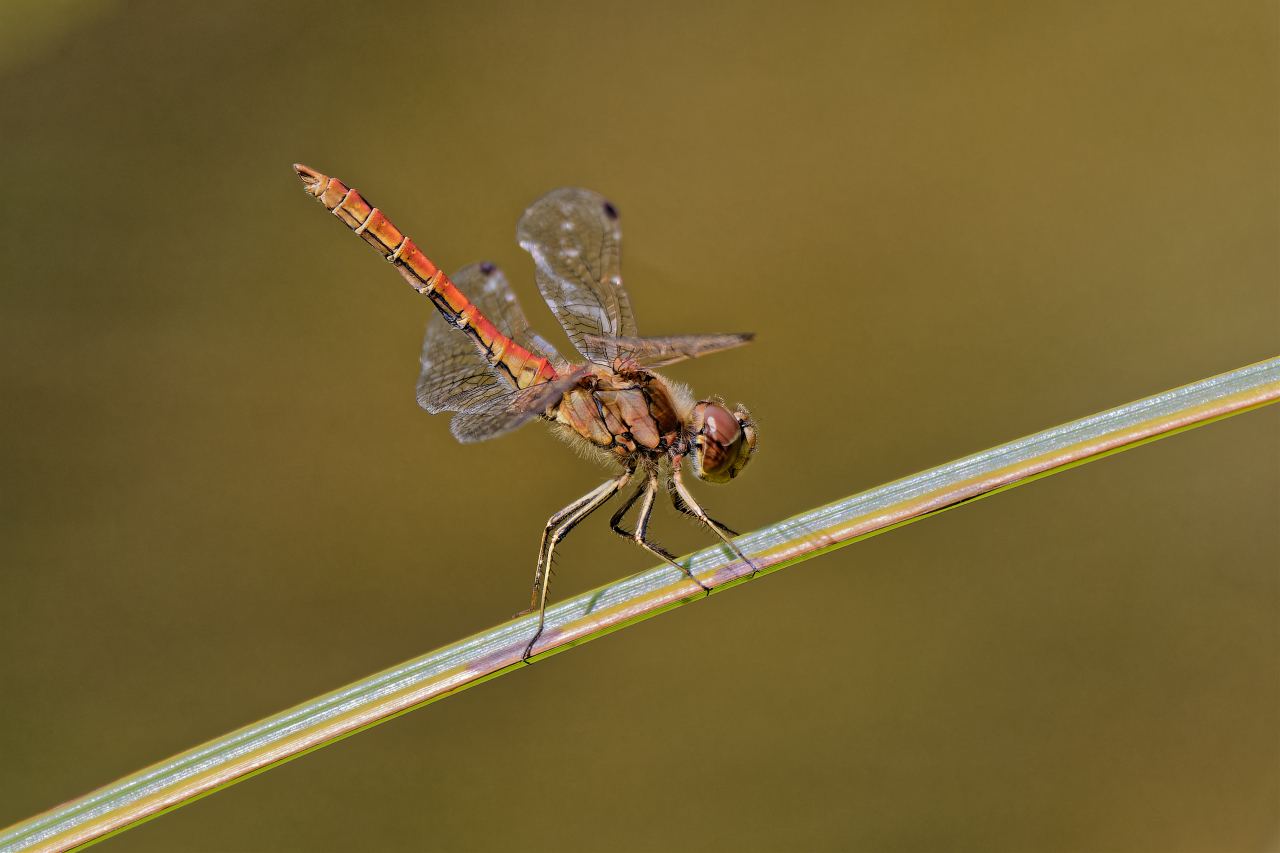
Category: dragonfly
<point>482,361</point>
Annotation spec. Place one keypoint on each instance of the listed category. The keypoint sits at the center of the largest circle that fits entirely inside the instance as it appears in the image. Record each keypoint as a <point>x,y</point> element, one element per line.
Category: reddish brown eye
<point>721,441</point>
<point>720,426</point>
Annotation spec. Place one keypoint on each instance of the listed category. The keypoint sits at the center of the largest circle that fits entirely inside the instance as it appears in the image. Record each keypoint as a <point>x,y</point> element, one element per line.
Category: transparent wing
<point>576,243</point>
<point>659,352</point>
<point>455,374</point>
<point>491,417</point>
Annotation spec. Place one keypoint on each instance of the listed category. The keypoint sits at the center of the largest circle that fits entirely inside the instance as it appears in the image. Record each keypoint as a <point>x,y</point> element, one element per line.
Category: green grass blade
<point>388,694</point>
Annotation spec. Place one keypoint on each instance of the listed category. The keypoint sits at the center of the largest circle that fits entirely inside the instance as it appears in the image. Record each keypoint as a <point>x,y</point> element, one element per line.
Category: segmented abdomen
<point>523,368</point>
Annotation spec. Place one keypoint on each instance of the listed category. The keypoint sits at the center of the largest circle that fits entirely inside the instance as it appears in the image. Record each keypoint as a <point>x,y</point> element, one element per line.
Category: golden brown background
<point>949,224</point>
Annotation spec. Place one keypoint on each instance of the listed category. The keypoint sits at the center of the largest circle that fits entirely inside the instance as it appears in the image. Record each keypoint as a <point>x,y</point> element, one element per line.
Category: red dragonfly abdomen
<point>524,368</point>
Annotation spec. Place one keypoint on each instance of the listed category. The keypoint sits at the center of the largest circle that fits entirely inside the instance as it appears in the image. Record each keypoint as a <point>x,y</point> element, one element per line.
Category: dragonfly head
<point>723,441</point>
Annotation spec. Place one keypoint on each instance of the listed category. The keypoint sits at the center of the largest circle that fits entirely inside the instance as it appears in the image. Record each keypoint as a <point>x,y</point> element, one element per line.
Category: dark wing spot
<point>487,268</point>
<point>610,211</point>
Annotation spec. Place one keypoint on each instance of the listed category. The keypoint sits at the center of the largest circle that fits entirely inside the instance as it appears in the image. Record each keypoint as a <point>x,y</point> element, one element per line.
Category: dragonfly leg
<point>701,514</point>
<point>648,490</point>
<point>557,528</point>
<point>552,523</point>
<point>615,523</point>
<point>681,507</point>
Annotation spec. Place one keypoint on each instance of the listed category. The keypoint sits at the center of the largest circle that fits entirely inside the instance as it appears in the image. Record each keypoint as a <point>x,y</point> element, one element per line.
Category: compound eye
<point>720,426</point>
<point>722,442</point>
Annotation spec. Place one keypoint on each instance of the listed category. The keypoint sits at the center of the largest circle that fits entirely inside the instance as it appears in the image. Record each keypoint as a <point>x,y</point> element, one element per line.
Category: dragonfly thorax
<point>630,413</point>
<point>637,413</point>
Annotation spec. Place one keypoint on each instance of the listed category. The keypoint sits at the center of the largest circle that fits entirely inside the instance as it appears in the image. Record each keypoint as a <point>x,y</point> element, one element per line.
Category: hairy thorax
<point>625,412</point>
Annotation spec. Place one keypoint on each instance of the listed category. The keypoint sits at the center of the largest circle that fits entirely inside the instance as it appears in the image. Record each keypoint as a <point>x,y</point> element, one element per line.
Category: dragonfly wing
<point>659,352</point>
<point>576,243</point>
<point>496,415</point>
<point>455,374</point>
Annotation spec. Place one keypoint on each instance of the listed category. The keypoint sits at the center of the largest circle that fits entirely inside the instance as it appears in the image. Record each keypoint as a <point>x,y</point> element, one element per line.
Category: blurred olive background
<point>949,224</point>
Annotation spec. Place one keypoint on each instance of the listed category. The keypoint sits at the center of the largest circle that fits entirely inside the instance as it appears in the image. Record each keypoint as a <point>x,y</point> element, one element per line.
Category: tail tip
<point>311,179</point>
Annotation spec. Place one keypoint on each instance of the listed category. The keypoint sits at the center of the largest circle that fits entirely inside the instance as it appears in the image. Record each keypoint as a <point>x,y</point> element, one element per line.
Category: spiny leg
<point>552,524</point>
<point>559,520</point>
<point>649,489</point>
<point>615,523</point>
<point>701,515</point>
<point>563,522</point>
<point>681,507</point>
